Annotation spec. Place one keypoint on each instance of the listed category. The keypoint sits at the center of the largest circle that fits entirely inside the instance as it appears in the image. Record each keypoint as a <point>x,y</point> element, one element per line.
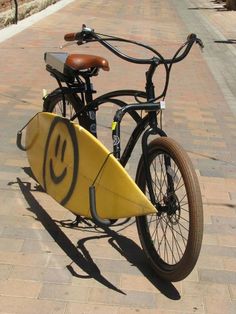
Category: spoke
<point>178,248</point>
<point>183,227</point>
<point>180,176</point>
<point>173,256</point>
<point>179,187</point>
<point>186,210</point>
<point>168,244</point>
<point>156,178</point>
<point>185,195</point>
<point>155,229</point>
<point>176,231</point>
<point>164,172</point>
<point>183,238</point>
<point>175,172</point>
<point>164,237</point>
<point>184,219</point>
<point>163,233</point>
<point>154,218</point>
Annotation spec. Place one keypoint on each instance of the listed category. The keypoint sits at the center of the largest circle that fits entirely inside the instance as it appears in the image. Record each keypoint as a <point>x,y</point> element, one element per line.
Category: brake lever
<point>67,44</point>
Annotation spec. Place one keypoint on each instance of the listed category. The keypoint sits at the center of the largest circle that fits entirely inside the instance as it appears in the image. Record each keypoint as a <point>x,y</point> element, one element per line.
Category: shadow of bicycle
<point>227,41</point>
<point>80,255</point>
<point>219,5</point>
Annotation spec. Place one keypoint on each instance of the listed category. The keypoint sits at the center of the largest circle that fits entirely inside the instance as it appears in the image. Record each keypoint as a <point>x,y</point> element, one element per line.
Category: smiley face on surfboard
<point>61,160</point>
<point>65,159</point>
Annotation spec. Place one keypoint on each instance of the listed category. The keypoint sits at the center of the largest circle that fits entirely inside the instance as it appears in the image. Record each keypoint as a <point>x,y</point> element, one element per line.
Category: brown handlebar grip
<point>70,37</point>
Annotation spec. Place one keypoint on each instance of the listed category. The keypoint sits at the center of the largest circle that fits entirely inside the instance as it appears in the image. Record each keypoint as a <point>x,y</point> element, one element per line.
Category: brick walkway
<point>48,268</point>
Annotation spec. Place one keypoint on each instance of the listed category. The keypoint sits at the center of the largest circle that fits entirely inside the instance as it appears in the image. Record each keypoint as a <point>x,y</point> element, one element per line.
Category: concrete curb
<point>24,10</point>
<point>11,30</point>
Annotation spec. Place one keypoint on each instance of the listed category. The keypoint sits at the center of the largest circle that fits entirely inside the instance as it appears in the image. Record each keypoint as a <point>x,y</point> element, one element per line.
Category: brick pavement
<point>47,268</point>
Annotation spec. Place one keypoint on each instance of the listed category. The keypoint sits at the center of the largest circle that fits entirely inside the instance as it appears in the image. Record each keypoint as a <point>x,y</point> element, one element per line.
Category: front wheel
<point>171,238</point>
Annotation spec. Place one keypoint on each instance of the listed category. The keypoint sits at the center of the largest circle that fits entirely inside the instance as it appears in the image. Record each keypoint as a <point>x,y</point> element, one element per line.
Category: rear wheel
<point>57,106</point>
<point>172,237</point>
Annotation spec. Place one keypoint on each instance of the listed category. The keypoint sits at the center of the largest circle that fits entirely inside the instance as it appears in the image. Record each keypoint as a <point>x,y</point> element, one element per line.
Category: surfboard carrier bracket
<point>19,135</point>
<point>93,210</point>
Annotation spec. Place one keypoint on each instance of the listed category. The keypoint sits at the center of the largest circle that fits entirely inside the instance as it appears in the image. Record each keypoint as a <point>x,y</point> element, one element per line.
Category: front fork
<point>169,203</point>
<point>152,130</point>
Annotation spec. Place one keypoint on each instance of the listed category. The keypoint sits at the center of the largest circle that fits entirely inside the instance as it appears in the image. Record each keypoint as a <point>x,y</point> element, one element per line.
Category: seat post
<point>88,118</point>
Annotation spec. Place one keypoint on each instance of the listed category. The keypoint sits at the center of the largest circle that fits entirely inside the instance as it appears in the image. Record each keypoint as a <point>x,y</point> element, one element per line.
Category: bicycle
<point>171,238</point>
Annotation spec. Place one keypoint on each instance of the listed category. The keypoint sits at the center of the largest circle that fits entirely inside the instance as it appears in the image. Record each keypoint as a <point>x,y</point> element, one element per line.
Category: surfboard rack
<point>19,135</point>
<point>18,141</point>
<point>92,200</point>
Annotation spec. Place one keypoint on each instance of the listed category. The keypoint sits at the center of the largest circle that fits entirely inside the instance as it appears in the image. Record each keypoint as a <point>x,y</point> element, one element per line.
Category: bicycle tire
<point>171,227</point>
<point>54,103</point>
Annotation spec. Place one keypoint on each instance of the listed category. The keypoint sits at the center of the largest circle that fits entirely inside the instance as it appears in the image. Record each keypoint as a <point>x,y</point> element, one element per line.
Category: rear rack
<point>55,64</point>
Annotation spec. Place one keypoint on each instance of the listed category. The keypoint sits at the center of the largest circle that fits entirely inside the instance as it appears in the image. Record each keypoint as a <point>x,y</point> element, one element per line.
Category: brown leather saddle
<point>83,61</point>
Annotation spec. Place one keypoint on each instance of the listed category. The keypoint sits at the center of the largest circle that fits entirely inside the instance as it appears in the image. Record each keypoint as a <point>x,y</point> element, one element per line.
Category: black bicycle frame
<point>86,105</point>
<point>146,126</point>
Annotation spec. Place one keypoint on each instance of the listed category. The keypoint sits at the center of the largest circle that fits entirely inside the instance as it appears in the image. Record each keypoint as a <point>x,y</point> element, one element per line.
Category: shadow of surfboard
<point>62,240</point>
<point>125,246</point>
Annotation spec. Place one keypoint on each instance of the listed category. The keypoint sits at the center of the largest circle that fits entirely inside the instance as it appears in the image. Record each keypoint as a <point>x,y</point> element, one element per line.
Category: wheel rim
<point>66,111</point>
<point>169,228</point>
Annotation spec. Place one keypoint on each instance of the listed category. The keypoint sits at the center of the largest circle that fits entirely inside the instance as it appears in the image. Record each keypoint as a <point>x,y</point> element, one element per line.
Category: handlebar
<point>88,35</point>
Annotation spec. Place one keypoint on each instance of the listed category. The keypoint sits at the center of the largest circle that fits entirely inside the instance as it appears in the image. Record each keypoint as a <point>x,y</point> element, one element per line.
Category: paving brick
<point>210,261</point>
<point>193,276</point>
<point>205,288</point>
<point>141,283</point>
<point>137,283</point>
<point>227,240</point>
<point>22,272</point>
<point>21,221</point>
<point>116,266</point>
<point>63,292</point>
<point>186,304</point>
<point>5,271</point>
<point>34,246</point>
<point>78,308</point>
<point>210,239</point>
<point>231,221</point>
<point>94,279</point>
<point>10,245</point>
<point>224,228</point>
<point>26,233</point>
<point>129,298</point>
<point>15,288</point>
<point>220,210</point>
<point>230,264</point>
<point>232,289</point>
<point>213,250</point>
<point>41,274</point>
<point>219,305</point>
<point>13,258</point>
<point>218,276</point>
<point>10,304</point>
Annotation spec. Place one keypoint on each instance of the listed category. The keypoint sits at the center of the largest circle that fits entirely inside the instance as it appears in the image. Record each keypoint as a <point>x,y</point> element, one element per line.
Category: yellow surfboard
<point>66,160</point>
